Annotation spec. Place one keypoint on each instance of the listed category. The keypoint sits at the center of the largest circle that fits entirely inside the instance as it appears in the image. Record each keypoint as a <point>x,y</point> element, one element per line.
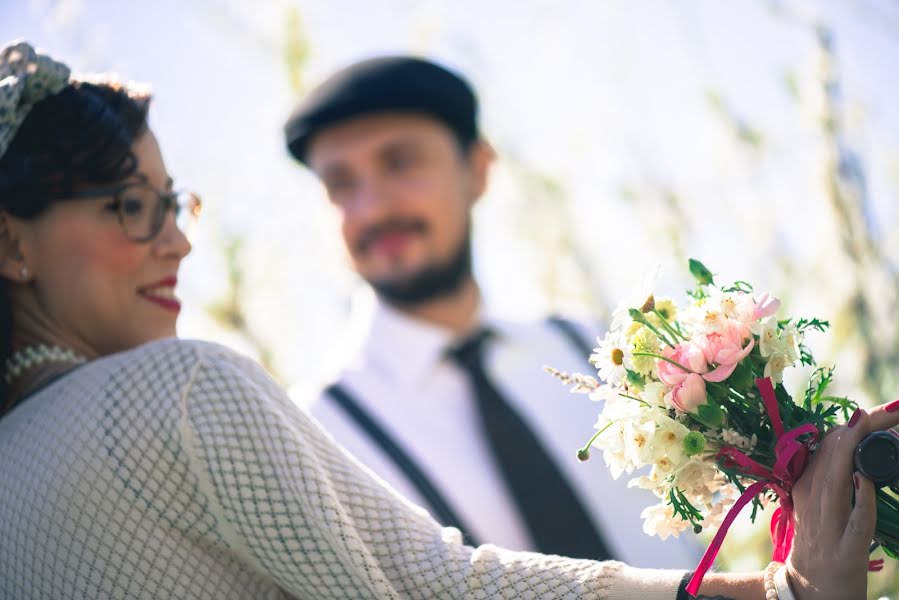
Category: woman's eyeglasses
<point>142,208</point>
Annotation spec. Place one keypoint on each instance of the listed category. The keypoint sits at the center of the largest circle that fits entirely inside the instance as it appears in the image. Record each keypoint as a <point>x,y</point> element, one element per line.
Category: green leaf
<point>710,415</point>
<point>635,379</point>
<point>701,273</point>
<point>742,378</point>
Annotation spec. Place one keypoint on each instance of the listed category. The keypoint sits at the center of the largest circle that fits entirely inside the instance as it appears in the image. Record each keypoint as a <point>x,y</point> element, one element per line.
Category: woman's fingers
<point>842,462</point>
<point>862,519</point>
<point>884,416</point>
<point>834,486</point>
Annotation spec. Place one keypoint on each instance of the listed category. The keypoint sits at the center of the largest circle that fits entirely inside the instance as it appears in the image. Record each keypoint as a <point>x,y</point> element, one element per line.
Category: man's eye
<point>400,161</point>
<point>339,184</point>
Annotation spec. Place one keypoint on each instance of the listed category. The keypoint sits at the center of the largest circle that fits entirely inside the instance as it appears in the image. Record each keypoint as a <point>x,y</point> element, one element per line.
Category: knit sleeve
<point>298,509</point>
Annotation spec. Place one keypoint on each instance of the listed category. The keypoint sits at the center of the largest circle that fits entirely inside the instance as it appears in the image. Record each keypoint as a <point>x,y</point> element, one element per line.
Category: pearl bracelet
<point>770,586</point>
<point>784,592</point>
<point>776,585</point>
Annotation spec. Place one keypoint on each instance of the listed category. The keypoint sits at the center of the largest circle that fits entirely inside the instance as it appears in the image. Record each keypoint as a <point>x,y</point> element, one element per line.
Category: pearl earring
<point>23,272</point>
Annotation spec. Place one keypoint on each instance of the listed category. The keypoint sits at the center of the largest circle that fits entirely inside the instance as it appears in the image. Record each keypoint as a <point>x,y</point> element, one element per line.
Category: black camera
<point>877,457</point>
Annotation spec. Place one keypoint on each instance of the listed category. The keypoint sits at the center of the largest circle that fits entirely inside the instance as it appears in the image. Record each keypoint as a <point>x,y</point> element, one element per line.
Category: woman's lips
<point>166,303</point>
<point>162,293</point>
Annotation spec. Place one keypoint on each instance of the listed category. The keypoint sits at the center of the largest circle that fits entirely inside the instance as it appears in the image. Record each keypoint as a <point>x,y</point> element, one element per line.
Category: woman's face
<point>96,288</point>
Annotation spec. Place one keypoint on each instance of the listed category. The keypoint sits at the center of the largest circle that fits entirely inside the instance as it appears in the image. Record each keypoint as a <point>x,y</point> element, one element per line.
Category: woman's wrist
<point>801,588</point>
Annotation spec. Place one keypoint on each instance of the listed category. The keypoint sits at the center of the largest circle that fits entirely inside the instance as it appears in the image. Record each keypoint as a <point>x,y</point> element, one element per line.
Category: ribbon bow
<point>791,458</point>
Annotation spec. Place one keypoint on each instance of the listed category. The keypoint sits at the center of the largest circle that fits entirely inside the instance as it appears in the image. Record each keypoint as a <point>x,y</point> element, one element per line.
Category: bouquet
<point>694,395</point>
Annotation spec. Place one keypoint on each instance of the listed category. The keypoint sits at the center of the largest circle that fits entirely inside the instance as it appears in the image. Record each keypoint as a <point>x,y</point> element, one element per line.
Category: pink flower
<point>725,349</point>
<point>766,306</point>
<point>686,354</point>
<point>689,394</point>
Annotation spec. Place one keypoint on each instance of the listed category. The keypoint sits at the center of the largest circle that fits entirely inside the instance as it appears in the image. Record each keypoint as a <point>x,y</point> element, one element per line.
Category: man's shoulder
<point>576,331</point>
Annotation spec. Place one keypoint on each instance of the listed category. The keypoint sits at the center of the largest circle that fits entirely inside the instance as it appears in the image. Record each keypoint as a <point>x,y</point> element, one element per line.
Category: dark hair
<point>76,139</point>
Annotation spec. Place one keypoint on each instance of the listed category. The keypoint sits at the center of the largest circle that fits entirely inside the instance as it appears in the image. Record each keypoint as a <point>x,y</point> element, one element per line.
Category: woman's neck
<point>34,363</point>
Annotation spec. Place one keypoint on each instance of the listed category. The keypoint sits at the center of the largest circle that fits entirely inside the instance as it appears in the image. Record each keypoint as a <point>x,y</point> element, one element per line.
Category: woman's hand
<point>830,551</point>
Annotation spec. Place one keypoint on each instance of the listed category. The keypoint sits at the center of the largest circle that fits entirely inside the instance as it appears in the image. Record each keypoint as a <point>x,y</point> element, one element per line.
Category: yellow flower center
<point>618,356</point>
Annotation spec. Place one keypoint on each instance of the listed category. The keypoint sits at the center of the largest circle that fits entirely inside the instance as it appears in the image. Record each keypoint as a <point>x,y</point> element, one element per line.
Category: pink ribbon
<point>791,457</point>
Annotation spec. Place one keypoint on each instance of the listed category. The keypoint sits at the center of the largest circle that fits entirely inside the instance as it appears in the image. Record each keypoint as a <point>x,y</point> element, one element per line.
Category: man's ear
<point>480,157</point>
<point>12,260</point>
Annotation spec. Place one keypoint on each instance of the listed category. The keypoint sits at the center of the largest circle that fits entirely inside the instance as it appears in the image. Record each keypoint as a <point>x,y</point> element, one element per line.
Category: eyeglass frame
<point>169,201</point>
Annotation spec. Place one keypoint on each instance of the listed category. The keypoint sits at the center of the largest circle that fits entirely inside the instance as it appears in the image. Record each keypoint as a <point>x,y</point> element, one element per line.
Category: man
<point>446,403</point>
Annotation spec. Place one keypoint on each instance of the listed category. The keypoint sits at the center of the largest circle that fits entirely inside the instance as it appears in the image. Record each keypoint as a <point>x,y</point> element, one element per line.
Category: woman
<point>136,465</point>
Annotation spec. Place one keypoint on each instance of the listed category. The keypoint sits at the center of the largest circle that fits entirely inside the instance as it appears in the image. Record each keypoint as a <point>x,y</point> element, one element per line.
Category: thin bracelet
<point>682,588</point>
<point>784,592</point>
<point>771,571</point>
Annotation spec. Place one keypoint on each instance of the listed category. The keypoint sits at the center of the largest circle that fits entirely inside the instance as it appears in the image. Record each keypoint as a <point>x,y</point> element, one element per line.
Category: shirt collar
<point>405,348</point>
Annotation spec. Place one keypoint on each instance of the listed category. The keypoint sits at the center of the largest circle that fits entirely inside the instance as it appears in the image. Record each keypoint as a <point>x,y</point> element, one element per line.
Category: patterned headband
<point>26,78</point>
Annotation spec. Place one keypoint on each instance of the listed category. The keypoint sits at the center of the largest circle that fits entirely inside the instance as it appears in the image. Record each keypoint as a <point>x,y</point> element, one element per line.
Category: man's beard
<point>432,282</point>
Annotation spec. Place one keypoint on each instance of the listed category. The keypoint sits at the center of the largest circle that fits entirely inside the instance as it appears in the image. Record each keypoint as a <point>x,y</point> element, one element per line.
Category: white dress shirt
<point>397,371</point>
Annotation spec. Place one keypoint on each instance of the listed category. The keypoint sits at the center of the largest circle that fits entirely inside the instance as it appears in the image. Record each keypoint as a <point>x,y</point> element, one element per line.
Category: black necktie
<point>557,520</point>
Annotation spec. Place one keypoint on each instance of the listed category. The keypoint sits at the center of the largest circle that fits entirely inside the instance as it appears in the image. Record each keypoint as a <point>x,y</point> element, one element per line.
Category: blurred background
<point>759,136</point>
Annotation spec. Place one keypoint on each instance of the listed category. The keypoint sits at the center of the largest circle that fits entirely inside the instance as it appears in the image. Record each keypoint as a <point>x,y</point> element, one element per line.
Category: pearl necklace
<point>29,357</point>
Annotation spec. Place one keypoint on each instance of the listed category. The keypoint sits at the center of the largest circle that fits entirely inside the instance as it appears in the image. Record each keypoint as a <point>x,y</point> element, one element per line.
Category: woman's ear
<point>12,260</point>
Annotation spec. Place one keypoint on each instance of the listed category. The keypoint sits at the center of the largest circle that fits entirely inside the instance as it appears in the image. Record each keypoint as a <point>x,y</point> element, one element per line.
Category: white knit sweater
<point>181,470</point>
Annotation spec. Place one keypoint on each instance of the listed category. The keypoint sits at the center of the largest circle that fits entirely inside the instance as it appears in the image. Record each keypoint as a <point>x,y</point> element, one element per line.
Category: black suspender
<point>570,332</point>
<point>441,508</point>
<point>439,505</point>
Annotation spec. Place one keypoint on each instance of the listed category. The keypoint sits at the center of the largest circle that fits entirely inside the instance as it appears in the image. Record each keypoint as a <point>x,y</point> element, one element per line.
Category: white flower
<point>774,369</point>
<point>612,358</point>
<point>638,437</point>
<point>654,394</point>
<point>667,438</point>
<point>732,438</point>
<point>621,319</point>
<point>611,442</point>
<point>604,393</point>
<point>661,521</point>
<point>790,340</point>
<point>768,336</point>
<point>727,497</point>
<point>699,479</point>
<point>655,482</point>
<point>732,305</point>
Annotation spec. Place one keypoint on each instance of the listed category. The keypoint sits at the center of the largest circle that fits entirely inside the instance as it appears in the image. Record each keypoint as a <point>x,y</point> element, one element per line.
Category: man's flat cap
<point>385,84</point>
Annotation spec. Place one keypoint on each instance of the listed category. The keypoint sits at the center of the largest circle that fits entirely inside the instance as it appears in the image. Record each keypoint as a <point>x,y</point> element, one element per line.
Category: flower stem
<point>585,451</point>
<point>629,397</point>
<point>666,359</point>
<point>676,334</point>
<point>640,318</point>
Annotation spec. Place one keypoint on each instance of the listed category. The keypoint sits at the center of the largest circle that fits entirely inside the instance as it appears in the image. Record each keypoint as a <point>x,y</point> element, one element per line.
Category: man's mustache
<point>370,235</point>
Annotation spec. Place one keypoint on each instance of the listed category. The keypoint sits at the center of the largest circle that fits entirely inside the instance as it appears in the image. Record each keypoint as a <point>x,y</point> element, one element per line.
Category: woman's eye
<point>131,206</point>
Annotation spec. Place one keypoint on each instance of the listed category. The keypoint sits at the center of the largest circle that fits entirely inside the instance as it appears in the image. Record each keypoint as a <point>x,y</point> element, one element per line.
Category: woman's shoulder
<point>169,368</point>
<point>176,354</point>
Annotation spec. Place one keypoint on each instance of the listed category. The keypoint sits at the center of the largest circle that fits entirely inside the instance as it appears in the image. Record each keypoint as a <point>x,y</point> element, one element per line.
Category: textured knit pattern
<point>181,470</point>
